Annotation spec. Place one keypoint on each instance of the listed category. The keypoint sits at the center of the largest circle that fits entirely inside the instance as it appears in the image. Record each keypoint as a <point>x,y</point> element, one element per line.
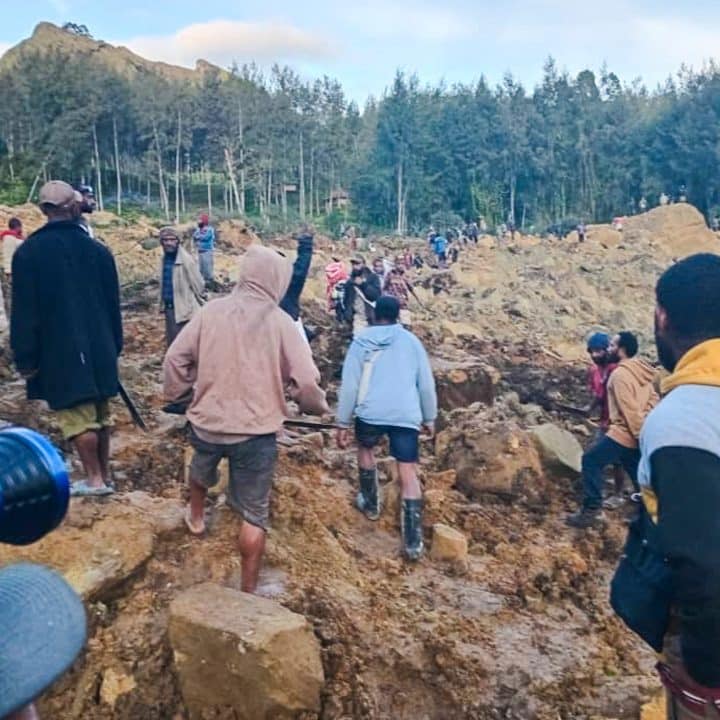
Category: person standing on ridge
<point>87,206</point>
<point>66,330</point>
<point>204,241</point>
<point>389,390</point>
<point>631,396</point>
<point>181,285</point>
<point>236,358</point>
<point>11,239</point>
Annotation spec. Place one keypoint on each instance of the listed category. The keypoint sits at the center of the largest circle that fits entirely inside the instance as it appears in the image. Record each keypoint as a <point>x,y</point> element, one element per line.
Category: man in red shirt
<point>598,376</point>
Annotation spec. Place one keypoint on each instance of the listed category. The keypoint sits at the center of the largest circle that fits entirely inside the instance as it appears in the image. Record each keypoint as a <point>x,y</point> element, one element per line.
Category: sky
<point>362,43</point>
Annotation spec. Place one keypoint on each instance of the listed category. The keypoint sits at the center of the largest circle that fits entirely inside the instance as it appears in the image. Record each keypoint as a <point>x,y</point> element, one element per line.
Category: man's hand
<point>428,429</point>
<point>343,438</point>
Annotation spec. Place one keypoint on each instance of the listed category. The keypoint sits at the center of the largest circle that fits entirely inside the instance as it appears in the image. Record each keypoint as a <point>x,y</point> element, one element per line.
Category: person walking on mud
<point>389,389</point>
<point>66,330</point>
<point>667,585</point>
<point>631,396</point>
<point>360,295</point>
<point>233,362</point>
<point>181,284</point>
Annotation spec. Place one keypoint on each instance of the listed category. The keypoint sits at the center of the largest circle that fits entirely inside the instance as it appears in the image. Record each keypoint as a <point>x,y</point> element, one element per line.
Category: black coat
<point>291,302</point>
<point>370,288</point>
<point>65,323</point>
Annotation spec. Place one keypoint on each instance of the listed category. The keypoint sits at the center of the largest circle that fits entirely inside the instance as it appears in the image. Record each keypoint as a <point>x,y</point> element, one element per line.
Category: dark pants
<point>172,328</point>
<point>603,453</point>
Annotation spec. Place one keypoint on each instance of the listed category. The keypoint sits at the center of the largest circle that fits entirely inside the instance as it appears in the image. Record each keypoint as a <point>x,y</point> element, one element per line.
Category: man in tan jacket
<point>237,357</point>
<point>631,397</point>
<point>181,284</point>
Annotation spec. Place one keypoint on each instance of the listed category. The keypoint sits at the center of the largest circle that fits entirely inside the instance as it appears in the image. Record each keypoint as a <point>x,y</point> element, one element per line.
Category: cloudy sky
<point>363,42</point>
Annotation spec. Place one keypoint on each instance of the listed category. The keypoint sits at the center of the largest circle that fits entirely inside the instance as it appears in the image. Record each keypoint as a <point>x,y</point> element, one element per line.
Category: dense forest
<point>278,148</point>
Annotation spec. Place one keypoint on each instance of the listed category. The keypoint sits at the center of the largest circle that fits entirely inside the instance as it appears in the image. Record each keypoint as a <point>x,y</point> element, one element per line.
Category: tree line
<point>278,148</point>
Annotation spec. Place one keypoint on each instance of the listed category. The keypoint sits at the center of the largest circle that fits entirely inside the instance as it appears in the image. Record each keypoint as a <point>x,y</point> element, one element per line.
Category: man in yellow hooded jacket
<point>667,585</point>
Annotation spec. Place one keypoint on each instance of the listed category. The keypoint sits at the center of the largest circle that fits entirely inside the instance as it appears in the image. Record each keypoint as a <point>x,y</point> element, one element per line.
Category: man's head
<point>378,267</point>
<point>203,221</point>
<point>87,202</point>
<point>15,225</point>
<point>597,348</point>
<point>170,240</point>
<point>688,298</point>
<point>357,265</point>
<point>57,200</point>
<point>623,346</point>
<point>387,310</point>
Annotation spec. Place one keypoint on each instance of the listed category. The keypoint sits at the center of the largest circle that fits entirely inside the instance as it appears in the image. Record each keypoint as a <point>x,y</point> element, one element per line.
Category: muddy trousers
<point>603,453</point>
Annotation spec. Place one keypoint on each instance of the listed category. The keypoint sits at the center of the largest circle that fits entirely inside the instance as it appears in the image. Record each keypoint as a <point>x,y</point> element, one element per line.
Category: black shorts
<point>404,442</point>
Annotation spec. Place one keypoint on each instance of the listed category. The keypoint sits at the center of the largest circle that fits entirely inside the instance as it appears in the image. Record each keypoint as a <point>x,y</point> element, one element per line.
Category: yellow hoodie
<point>698,366</point>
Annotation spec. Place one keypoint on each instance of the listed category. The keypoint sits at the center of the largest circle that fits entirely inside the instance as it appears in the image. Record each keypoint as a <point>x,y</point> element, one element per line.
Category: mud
<point>522,629</point>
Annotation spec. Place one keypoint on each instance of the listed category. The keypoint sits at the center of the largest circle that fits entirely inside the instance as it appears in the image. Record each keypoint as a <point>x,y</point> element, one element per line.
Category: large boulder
<point>496,460</point>
<point>460,384</point>
<point>243,653</point>
<point>559,449</point>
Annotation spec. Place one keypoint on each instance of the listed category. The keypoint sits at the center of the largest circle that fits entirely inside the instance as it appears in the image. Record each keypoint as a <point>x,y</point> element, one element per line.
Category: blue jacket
<point>439,245</point>
<point>401,391</point>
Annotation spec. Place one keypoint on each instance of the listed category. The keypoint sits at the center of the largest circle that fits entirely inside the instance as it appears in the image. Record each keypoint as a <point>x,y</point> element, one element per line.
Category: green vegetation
<point>275,147</point>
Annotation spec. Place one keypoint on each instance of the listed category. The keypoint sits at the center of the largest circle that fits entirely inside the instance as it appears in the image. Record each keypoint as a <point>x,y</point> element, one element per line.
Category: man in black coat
<point>301,267</point>
<point>66,329</point>
<point>361,292</point>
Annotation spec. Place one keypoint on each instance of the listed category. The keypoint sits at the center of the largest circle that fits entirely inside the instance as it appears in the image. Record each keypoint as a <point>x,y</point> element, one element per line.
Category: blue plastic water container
<point>34,486</point>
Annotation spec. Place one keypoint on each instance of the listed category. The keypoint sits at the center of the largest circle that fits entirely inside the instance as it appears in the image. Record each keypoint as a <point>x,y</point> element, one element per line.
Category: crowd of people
<point>231,362</point>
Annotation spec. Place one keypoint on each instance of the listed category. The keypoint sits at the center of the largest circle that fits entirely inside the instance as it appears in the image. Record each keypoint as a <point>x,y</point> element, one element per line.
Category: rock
<point>388,470</point>
<point>441,480</point>
<point>499,460</point>
<point>314,440</point>
<point>101,546</point>
<point>656,709</point>
<point>448,543</point>
<point>115,684</point>
<point>464,383</point>
<point>558,448</point>
<point>243,653</point>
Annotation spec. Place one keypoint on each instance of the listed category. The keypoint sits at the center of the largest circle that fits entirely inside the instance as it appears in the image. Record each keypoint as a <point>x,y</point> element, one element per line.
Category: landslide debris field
<point>520,627</point>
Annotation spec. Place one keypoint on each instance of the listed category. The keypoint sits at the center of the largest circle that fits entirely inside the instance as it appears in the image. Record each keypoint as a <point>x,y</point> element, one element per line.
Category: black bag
<point>641,590</point>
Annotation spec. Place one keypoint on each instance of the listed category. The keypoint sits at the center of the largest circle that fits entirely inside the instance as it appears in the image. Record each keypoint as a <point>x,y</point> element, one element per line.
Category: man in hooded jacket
<point>631,396</point>
<point>388,386</point>
<point>237,357</point>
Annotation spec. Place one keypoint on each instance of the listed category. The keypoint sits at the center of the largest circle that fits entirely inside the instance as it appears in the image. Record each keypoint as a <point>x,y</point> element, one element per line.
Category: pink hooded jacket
<point>241,353</point>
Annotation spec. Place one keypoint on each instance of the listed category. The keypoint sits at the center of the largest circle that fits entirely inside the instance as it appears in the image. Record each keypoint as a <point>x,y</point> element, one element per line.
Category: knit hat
<point>598,341</point>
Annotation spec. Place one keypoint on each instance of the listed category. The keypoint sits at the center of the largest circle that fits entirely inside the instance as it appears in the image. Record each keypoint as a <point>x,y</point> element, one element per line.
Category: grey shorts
<point>252,466</point>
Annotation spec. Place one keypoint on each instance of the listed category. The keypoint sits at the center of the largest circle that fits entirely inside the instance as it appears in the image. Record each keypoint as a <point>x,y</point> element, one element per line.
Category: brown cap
<point>57,193</point>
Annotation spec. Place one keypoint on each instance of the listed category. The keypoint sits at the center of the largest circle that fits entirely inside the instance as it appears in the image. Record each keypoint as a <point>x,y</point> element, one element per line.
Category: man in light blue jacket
<point>388,386</point>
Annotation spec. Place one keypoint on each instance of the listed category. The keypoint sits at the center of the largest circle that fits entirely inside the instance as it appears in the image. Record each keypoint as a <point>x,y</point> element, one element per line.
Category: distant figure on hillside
<point>397,286</point>
<point>381,270</point>
<point>643,204</point>
<point>581,231</point>
<point>336,275</point>
<point>11,239</point>
<point>204,240</point>
<point>388,390</point>
<point>181,284</point>
<point>473,232</point>
<point>235,359</point>
<point>439,246</point>
<point>715,223</point>
<point>664,199</point>
<point>87,207</point>
<point>361,292</point>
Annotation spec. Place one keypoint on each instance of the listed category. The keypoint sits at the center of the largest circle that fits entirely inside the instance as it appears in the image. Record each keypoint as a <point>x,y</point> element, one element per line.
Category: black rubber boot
<point>411,523</point>
<point>368,499</point>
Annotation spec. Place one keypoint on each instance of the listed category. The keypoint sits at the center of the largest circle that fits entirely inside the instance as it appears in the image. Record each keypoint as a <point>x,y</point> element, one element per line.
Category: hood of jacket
<point>379,337</point>
<point>264,274</point>
<point>640,369</point>
<point>698,366</point>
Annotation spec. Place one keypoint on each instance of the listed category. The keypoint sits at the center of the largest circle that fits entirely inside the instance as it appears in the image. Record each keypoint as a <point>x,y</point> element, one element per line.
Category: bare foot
<point>195,527</point>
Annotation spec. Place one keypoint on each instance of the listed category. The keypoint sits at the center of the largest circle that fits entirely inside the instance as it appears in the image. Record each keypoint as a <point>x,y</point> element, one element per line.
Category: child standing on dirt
<point>388,386</point>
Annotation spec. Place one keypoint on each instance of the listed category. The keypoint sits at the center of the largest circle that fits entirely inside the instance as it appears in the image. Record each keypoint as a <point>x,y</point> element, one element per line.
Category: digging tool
<point>314,424</point>
<point>414,294</point>
<point>571,408</point>
<point>134,414</point>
